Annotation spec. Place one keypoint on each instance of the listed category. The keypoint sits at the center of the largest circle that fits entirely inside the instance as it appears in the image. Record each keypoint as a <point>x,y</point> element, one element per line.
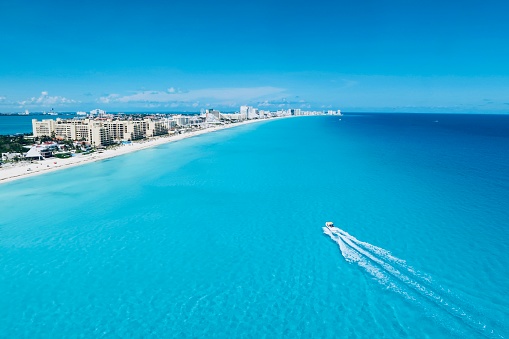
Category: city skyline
<point>153,56</point>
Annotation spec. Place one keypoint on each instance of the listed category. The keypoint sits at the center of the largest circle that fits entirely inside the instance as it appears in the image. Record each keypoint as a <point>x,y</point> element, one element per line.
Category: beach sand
<point>24,169</point>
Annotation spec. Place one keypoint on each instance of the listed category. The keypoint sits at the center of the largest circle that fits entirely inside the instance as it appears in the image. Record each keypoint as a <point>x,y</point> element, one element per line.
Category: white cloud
<point>108,98</point>
<point>217,96</point>
<point>46,100</point>
<point>347,83</point>
<point>152,105</point>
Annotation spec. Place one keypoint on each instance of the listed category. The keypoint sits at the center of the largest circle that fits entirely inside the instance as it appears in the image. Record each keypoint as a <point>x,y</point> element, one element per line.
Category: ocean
<point>222,235</point>
<point>19,124</point>
<point>13,124</point>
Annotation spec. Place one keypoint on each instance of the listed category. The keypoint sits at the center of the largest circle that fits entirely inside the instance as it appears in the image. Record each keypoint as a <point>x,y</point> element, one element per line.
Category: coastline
<point>25,170</point>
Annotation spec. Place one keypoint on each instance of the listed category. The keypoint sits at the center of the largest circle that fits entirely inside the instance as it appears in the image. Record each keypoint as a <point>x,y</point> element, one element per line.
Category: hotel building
<point>100,131</point>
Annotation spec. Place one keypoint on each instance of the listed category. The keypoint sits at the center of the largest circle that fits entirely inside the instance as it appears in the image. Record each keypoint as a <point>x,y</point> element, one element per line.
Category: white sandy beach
<point>24,169</point>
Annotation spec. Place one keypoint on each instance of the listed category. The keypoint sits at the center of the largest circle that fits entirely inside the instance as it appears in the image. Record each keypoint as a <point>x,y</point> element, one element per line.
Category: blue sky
<point>389,56</point>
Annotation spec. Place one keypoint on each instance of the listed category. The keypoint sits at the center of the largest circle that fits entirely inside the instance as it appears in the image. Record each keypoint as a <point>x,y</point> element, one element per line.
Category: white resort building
<point>100,131</point>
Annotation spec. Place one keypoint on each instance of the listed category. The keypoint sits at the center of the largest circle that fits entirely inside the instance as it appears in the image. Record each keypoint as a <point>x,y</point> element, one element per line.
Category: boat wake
<point>396,275</point>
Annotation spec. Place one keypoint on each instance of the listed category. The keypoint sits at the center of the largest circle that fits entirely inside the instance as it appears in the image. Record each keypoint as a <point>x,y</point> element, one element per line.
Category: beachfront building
<point>116,128</point>
<point>101,131</point>
<point>249,112</point>
<point>43,128</point>
<point>65,131</point>
<point>41,151</point>
<point>62,129</point>
<point>127,130</point>
<point>212,116</point>
<point>38,152</point>
<point>81,131</point>
<point>181,120</point>
<point>332,112</point>
<point>98,134</point>
<point>233,117</point>
<point>265,114</point>
<point>252,113</point>
<point>135,130</point>
<point>157,127</point>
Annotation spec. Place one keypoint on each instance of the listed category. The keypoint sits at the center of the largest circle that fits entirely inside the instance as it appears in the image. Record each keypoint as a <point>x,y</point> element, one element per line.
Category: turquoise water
<point>12,124</point>
<point>221,235</point>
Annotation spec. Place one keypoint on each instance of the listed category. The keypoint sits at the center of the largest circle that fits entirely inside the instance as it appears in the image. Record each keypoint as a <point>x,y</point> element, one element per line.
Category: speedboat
<point>329,225</point>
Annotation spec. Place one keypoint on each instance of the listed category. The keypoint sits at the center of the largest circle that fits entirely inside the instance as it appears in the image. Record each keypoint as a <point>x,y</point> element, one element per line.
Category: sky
<point>176,56</point>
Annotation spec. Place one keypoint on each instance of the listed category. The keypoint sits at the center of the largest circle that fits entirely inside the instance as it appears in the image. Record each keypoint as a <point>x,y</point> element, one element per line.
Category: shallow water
<point>221,235</point>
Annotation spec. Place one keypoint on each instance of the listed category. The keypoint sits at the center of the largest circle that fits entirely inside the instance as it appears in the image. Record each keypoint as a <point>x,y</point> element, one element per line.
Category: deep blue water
<point>221,235</point>
<point>12,124</point>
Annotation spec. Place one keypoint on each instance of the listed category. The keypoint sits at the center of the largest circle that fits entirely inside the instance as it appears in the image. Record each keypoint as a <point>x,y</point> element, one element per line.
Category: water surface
<point>221,235</point>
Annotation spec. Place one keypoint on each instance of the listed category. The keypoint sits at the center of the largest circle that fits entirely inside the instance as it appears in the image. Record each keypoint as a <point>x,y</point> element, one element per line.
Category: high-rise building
<point>43,128</point>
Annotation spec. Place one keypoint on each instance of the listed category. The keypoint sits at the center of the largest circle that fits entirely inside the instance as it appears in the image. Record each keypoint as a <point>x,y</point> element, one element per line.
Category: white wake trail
<point>426,279</point>
<point>385,254</point>
<point>385,267</point>
<point>355,257</point>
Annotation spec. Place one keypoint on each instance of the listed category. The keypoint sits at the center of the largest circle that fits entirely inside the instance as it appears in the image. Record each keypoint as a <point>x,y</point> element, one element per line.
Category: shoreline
<point>25,170</point>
